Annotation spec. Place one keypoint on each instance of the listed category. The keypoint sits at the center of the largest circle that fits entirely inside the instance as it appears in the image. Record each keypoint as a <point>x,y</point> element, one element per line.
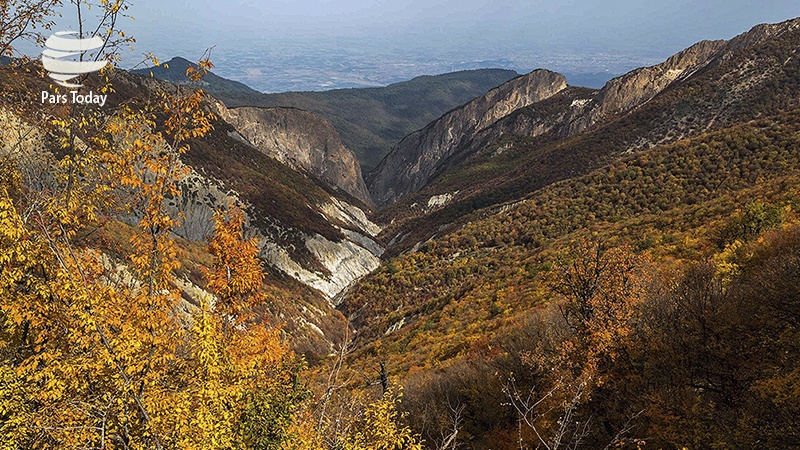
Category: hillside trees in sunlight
<point>98,350</point>
<point>379,428</point>
<point>99,346</point>
<point>634,352</point>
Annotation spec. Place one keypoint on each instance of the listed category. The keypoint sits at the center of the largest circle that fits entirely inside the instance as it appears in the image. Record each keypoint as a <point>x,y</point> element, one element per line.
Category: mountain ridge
<point>619,95</point>
<point>369,120</point>
<point>722,80</point>
<point>406,169</point>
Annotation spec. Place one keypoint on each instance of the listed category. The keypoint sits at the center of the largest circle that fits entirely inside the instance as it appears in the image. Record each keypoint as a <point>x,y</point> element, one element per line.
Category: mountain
<point>493,221</point>
<point>174,71</point>
<point>550,266</point>
<point>301,139</point>
<point>372,120</point>
<point>706,87</point>
<point>369,120</point>
<point>416,158</point>
<point>419,156</point>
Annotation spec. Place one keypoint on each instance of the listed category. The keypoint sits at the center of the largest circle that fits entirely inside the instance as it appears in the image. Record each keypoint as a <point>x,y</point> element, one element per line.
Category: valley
<point>477,260</point>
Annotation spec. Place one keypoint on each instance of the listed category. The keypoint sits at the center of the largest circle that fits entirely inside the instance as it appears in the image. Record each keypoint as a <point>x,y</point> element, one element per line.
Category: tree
<point>94,351</point>
<point>379,428</point>
<point>22,19</point>
<point>598,291</point>
<point>601,290</point>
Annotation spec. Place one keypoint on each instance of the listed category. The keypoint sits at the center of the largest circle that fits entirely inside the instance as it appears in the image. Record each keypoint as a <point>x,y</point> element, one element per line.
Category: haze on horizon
<point>256,41</point>
<point>612,25</point>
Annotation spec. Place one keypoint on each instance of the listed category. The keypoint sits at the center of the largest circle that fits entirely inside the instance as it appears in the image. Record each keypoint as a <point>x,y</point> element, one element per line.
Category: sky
<point>564,35</point>
<point>613,25</point>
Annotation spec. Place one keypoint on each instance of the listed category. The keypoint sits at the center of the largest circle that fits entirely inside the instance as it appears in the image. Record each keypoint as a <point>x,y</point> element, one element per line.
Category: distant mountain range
<point>369,120</point>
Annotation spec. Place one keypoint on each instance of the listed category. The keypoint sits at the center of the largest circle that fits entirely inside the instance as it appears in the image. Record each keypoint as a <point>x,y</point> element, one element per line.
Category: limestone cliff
<point>637,87</point>
<point>539,104</point>
<point>574,110</point>
<point>634,89</point>
<point>709,86</point>
<point>417,158</point>
<point>304,140</point>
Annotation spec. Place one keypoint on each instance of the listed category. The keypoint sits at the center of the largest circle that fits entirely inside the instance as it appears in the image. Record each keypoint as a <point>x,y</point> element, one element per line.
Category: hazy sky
<point>607,35</point>
<point>615,25</point>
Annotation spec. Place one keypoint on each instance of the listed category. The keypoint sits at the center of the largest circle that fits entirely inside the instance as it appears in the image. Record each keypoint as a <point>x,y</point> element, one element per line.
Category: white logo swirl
<point>58,47</point>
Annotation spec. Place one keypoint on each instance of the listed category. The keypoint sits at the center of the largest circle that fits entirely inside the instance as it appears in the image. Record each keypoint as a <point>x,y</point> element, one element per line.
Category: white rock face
<point>395,327</point>
<point>301,139</point>
<point>350,215</point>
<point>200,197</point>
<point>580,103</point>
<point>437,201</point>
<point>347,262</point>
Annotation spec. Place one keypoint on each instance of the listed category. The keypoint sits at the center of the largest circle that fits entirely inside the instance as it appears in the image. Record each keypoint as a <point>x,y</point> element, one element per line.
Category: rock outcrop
<point>417,158</point>
<point>465,131</point>
<point>338,262</point>
<point>625,93</point>
<point>305,141</point>
<point>574,110</point>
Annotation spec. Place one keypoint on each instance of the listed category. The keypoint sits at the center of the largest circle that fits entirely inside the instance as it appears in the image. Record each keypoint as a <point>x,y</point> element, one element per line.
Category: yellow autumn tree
<point>237,274</point>
<point>94,352</point>
<point>244,391</point>
<point>380,427</point>
<point>96,349</point>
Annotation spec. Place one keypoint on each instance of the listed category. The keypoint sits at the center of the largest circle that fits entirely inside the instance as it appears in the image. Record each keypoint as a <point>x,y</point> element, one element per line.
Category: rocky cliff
<point>417,158</point>
<point>315,240</point>
<point>315,236</point>
<point>306,141</point>
<point>538,104</point>
<point>708,86</point>
<point>575,110</point>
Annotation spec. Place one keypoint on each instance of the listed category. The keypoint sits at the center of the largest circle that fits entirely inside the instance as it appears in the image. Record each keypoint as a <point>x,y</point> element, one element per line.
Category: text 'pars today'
<point>75,98</point>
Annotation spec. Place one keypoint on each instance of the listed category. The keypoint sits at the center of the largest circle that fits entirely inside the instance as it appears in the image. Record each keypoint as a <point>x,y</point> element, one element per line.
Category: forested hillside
<point>631,285</point>
<point>163,283</point>
<point>634,273</point>
<point>555,267</point>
